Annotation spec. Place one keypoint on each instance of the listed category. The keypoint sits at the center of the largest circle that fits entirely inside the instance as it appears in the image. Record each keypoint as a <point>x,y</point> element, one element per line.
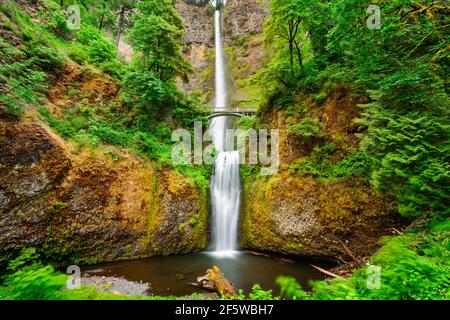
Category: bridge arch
<point>225,114</point>
<point>232,112</point>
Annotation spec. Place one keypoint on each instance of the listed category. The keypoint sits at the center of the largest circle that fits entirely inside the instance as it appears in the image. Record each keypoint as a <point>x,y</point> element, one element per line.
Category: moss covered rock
<point>88,207</point>
<point>299,215</point>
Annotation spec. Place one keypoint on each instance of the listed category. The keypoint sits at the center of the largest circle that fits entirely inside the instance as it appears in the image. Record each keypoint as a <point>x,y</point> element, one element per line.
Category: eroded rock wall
<point>86,207</point>
<point>243,26</point>
<point>303,214</point>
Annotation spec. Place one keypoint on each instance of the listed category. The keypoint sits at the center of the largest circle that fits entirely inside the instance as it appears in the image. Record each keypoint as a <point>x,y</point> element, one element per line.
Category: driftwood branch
<point>328,273</point>
<point>356,260</point>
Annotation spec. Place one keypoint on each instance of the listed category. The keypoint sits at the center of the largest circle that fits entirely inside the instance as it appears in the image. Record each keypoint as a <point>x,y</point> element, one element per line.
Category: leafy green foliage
<point>306,128</point>
<point>23,68</point>
<point>411,151</point>
<point>403,66</point>
<point>150,95</point>
<point>98,48</point>
<point>290,289</point>
<point>256,293</point>
<point>89,129</point>
<point>150,89</point>
<point>356,164</point>
<point>413,266</point>
<point>31,280</point>
<point>158,35</point>
<point>259,294</point>
<point>53,19</point>
<point>42,46</point>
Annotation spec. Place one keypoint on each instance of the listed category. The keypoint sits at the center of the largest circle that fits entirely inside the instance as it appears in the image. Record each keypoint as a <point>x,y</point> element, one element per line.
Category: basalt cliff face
<point>85,207</point>
<point>243,26</point>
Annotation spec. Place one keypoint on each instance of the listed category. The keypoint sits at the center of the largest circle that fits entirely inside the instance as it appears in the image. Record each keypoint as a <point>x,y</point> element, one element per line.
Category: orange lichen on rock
<point>84,207</point>
<point>77,83</point>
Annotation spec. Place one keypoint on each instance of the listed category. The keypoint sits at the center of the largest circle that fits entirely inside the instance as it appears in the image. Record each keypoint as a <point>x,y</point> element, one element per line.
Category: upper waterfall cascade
<point>225,182</point>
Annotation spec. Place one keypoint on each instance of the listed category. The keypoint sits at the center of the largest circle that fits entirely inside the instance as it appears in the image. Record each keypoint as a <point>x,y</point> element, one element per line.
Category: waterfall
<point>225,182</point>
<point>221,92</point>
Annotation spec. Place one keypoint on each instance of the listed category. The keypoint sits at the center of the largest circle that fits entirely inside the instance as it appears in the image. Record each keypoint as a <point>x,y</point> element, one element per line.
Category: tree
<point>119,12</point>
<point>285,23</point>
<point>158,35</point>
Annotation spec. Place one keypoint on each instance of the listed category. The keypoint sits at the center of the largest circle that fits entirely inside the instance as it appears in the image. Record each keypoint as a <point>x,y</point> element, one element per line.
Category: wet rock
<point>116,285</point>
<point>31,163</point>
<point>179,206</point>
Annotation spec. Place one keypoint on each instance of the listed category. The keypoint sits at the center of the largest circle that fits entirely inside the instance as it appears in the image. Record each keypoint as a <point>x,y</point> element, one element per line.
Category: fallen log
<point>214,280</point>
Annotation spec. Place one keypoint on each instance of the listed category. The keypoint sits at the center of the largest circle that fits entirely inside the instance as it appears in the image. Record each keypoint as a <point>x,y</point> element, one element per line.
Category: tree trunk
<point>101,23</point>
<point>299,52</point>
<point>121,21</point>
<point>291,53</point>
<point>291,43</point>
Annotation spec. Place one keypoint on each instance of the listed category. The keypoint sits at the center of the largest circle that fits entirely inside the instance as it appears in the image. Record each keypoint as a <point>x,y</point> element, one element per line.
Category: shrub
<point>307,128</point>
<point>54,20</point>
<point>413,266</point>
<point>96,46</point>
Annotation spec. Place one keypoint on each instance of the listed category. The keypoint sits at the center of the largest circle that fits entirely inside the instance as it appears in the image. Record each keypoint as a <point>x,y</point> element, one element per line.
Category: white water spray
<point>225,182</point>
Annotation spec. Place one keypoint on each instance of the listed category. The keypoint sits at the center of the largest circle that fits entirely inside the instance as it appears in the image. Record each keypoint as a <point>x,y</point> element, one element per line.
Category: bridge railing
<point>234,110</point>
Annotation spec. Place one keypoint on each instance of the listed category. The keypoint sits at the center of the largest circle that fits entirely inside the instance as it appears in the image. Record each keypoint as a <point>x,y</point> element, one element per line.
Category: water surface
<point>173,275</point>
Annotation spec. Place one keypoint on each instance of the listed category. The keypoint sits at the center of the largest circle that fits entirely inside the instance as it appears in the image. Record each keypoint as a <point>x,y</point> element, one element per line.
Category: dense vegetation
<point>148,95</point>
<point>402,68</point>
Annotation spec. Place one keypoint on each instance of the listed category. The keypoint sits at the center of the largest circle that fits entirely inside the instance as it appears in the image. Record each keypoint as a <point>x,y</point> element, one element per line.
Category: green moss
<point>194,230</point>
<point>199,223</point>
<point>256,223</point>
<point>181,227</point>
<point>193,221</point>
<point>57,206</point>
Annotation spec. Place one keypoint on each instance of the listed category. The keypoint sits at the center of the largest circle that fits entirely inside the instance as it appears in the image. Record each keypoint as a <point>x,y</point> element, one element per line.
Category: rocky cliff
<point>243,25</point>
<point>301,216</point>
<point>84,204</point>
<point>86,207</point>
<point>304,212</point>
